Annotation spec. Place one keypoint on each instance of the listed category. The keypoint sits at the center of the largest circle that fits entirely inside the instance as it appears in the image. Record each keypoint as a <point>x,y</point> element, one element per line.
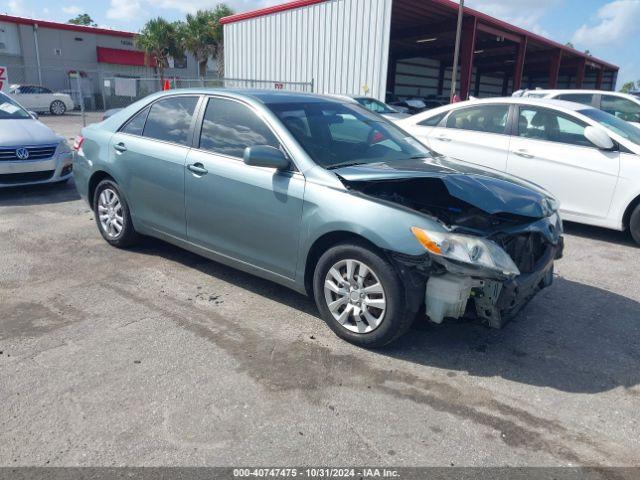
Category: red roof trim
<point>65,26</point>
<point>269,10</point>
<point>117,56</point>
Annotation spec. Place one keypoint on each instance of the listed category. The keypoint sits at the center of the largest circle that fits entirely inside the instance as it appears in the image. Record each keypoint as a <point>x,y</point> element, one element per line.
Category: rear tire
<point>360,296</point>
<point>112,215</point>
<point>634,224</point>
<point>57,107</point>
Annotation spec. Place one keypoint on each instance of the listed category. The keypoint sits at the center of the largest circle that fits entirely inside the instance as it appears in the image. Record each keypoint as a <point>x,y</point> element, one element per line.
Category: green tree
<point>160,40</point>
<point>83,19</point>
<point>569,44</point>
<point>202,35</point>
<point>630,86</point>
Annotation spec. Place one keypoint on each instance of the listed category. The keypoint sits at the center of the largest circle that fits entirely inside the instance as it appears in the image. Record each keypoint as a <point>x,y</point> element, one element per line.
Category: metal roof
<point>65,26</point>
<point>415,13</point>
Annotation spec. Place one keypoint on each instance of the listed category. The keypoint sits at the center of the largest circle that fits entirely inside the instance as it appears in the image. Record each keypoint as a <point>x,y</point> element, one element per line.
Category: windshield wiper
<point>344,164</point>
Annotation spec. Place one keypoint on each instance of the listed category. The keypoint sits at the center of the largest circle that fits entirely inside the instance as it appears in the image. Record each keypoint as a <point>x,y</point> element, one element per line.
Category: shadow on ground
<point>571,337</point>
<point>38,194</point>
<point>598,233</point>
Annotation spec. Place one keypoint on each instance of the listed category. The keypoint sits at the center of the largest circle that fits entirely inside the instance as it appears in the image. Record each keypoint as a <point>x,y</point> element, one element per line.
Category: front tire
<point>634,224</point>
<point>360,296</point>
<point>112,215</point>
<point>57,107</point>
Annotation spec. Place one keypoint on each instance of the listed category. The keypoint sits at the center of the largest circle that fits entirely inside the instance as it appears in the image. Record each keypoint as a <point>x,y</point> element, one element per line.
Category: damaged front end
<point>493,244</point>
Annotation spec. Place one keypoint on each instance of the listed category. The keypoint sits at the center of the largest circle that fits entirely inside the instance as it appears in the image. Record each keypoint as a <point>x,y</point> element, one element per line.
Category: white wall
<point>342,46</point>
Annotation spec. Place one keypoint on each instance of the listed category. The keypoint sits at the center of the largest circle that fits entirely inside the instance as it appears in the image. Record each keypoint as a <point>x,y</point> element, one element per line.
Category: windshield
<point>337,134</point>
<point>10,109</point>
<point>374,105</point>
<point>622,128</point>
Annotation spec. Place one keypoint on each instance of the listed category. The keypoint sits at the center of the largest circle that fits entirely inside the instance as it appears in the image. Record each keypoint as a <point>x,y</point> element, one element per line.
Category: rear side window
<point>584,98</point>
<point>433,121</point>
<point>135,126</point>
<point>551,126</point>
<point>483,118</point>
<point>170,119</point>
<point>229,127</point>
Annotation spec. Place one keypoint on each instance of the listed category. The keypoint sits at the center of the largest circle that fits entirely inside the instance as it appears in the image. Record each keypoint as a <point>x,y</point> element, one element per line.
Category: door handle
<point>444,139</point>
<point>120,147</point>
<point>197,168</point>
<point>524,154</point>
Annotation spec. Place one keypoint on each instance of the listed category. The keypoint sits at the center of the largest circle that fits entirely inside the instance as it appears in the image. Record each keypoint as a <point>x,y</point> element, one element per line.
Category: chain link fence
<point>104,89</point>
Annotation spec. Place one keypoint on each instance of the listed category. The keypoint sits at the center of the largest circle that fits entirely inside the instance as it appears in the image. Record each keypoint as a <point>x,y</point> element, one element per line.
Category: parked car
<point>622,105</point>
<point>30,152</point>
<point>376,106</point>
<point>325,197</point>
<point>588,159</point>
<point>41,99</point>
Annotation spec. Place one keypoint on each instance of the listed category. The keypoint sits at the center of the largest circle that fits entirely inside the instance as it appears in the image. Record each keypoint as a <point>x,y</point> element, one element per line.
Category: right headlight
<point>475,251</point>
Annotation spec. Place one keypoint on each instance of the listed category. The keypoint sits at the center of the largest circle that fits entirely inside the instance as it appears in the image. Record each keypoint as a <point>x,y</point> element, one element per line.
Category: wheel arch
<point>626,218</point>
<point>324,243</point>
<point>95,179</point>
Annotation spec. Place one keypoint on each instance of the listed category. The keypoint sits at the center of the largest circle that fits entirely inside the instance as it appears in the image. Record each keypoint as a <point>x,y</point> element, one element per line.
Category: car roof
<point>542,102</point>
<point>576,92</point>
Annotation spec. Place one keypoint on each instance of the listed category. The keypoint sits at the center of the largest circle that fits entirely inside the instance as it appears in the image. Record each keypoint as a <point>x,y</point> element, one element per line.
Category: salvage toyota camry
<point>324,197</point>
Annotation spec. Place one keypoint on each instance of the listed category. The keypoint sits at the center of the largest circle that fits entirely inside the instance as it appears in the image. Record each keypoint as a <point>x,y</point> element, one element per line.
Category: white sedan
<point>41,99</point>
<point>588,159</point>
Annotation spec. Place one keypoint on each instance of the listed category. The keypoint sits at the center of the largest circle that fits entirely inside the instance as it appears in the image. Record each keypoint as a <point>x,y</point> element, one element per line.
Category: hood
<point>395,115</point>
<point>487,190</point>
<point>23,132</point>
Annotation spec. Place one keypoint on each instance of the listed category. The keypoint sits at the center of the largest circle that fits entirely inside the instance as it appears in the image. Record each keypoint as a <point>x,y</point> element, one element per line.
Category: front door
<point>550,149</point>
<point>251,214</point>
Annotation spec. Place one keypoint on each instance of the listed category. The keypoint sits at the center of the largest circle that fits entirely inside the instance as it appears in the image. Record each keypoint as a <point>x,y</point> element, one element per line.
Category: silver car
<point>30,152</point>
<point>324,197</point>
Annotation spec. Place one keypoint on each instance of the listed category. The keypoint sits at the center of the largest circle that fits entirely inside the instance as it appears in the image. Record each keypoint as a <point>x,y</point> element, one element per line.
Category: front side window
<point>483,118</point>
<point>170,119</point>
<point>135,126</point>
<point>551,126</point>
<point>621,108</point>
<point>584,98</point>
<point>336,134</point>
<point>229,127</point>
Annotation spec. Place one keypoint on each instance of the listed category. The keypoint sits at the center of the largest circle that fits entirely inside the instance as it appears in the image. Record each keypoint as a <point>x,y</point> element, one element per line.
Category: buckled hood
<point>485,189</point>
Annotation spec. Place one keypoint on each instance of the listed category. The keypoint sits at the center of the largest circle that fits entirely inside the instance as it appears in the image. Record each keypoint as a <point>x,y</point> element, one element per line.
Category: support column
<point>599,78</point>
<point>391,78</point>
<point>580,69</point>
<point>441,71</point>
<point>554,68</point>
<point>476,88</point>
<point>505,84</point>
<point>467,47</point>
<point>518,68</point>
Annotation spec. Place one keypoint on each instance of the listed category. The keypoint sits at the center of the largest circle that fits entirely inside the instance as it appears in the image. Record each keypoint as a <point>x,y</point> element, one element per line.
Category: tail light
<point>77,144</point>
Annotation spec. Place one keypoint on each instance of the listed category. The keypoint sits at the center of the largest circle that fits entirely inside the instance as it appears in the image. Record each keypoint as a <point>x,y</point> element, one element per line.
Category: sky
<point>609,29</point>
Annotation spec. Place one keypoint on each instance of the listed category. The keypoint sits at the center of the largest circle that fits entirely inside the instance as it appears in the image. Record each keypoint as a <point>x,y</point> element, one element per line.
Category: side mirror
<point>33,115</point>
<point>599,138</point>
<point>265,156</point>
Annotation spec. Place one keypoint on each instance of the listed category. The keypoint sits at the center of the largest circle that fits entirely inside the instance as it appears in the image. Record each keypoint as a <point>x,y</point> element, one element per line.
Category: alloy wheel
<point>58,108</point>
<point>110,213</point>
<point>354,295</point>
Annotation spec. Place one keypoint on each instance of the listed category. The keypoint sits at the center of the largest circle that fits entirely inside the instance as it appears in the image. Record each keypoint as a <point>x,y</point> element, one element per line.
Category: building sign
<point>4,79</point>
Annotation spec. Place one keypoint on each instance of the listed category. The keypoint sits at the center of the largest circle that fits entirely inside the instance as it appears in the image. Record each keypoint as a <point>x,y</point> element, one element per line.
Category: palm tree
<point>159,40</point>
<point>202,35</point>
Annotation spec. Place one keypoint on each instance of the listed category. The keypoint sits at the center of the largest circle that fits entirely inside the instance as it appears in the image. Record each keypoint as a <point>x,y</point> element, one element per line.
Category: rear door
<point>549,148</point>
<point>251,214</point>
<point>475,134</point>
<point>149,153</point>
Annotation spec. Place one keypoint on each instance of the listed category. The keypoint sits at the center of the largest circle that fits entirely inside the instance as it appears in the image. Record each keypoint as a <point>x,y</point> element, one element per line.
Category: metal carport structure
<point>403,47</point>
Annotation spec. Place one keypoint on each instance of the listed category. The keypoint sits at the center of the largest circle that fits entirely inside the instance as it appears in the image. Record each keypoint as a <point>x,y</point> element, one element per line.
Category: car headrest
<point>539,119</point>
<point>523,123</point>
